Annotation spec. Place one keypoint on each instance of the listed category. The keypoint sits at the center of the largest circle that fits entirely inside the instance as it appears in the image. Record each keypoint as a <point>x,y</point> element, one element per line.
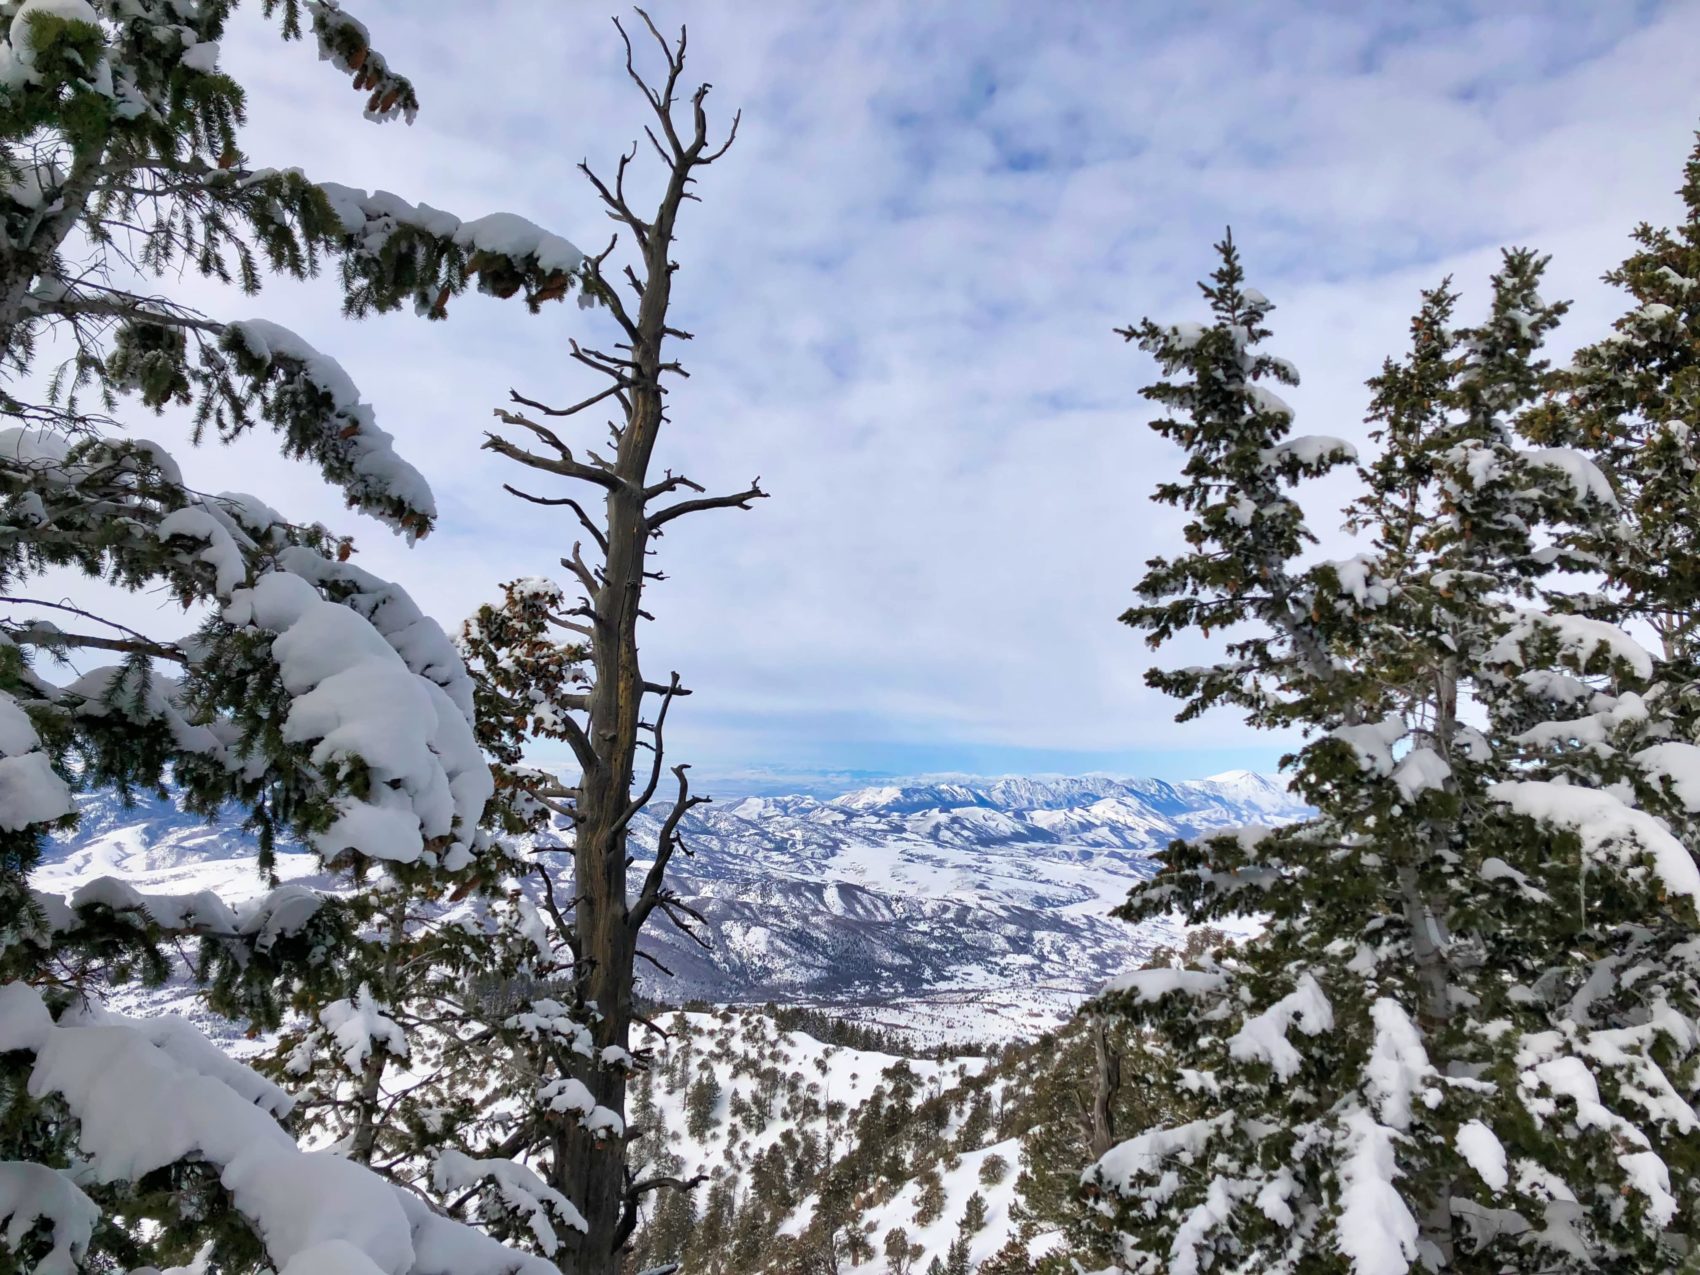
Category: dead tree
<point>1099,1116</point>
<point>622,713</point>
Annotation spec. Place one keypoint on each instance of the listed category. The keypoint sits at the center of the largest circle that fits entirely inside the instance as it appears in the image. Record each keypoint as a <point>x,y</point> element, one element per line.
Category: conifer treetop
<point>1434,1055</point>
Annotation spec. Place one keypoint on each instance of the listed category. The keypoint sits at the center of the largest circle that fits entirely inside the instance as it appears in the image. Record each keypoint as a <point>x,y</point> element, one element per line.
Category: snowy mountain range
<point>959,909</point>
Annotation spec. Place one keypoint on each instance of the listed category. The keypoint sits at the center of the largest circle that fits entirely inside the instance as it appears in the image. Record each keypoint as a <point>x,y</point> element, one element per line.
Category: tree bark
<point>1107,1082</point>
<point>1429,943</point>
<point>605,918</point>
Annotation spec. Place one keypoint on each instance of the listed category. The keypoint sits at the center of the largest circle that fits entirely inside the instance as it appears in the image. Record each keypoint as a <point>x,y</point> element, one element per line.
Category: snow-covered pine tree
<point>1461,1041</point>
<point>404,1069</point>
<point>1632,402</point>
<point>314,696</point>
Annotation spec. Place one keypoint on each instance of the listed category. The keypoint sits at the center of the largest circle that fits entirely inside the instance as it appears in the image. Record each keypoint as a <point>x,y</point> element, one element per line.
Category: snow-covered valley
<point>952,911</point>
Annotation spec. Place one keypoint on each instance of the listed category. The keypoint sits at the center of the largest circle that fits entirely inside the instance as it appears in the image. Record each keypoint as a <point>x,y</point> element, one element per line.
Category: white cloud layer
<point>903,281</point>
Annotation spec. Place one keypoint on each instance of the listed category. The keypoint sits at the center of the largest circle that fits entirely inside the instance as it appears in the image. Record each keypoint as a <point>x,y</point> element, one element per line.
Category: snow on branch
<point>416,637</point>
<point>255,925</point>
<point>393,248</point>
<point>1610,831</point>
<point>1585,644</point>
<point>1586,480</point>
<point>347,44</point>
<point>33,1193</point>
<point>1148,1152</point>
<point>359,1025</point>
<point>1375,1227</point>
<point>41,27</point>
<point>133,694</point>
<point>377,698</point>
<point>516,1190</point>
<point>1676,764</point>
<point>1263,1037</point>
<point>31,792</point>
<point>315,404</point>
<point>147,1094</point>
<point>569,1094</point>
<point>1148,985</point>
<point>355,702</point>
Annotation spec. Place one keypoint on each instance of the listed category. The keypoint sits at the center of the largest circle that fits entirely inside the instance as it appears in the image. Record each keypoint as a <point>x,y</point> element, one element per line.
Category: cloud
<point>903,281</point>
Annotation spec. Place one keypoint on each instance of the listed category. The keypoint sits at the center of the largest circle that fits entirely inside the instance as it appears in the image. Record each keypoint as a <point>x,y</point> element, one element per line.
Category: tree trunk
<point>605,918</point>
<point>590,1172</point>
<point>1107,1081</point>
<point>369,1099</point>
<point>1428,952</point>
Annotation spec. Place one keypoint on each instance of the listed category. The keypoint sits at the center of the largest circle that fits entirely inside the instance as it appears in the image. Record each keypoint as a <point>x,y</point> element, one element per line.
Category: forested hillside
<point>823,1147</point>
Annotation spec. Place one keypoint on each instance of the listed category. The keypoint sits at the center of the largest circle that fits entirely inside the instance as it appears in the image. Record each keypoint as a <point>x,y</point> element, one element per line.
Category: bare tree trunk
<point>605,919</point>
<point>1107,1083</point>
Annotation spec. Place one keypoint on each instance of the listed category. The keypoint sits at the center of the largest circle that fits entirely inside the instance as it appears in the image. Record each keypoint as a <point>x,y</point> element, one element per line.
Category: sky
<point>904,280</point>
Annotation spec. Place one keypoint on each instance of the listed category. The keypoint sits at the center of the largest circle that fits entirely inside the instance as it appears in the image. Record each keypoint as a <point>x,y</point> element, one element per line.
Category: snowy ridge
<point>981,909</point>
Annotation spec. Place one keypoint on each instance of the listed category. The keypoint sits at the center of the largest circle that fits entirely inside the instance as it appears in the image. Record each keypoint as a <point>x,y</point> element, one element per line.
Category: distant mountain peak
<point>915,894</point>
<point>1013,794</point>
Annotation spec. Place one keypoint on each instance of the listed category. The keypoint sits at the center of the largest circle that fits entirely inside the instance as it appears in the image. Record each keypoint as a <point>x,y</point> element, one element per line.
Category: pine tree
<point>315,697</point>
<point>1012,1259</point>
<point>973,1215</point>
<point>702,1105</point>
<point>929,1197</point>
<point>1461,1039</point>
<point>900,1254</point>
<point>1632,403</point>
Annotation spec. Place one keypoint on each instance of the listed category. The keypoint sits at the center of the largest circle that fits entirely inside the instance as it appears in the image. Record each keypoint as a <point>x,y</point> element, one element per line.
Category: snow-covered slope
<point>980,908</point>
<point>767,1117</point>
<point>969,910</point>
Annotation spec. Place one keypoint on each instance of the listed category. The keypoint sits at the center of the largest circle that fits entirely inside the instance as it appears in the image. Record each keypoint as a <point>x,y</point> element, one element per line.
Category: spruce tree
<point>1461,1040</point>
<point>702,1105</point>
<point>1632,403</point>
<point>900,1254</point>
<point>314,697</point>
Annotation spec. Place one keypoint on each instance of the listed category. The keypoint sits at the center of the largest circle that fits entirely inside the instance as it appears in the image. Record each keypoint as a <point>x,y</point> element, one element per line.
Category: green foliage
<point>900,1254</point>
<point>1631,401</point>
<point>1238,474</point>
<point>929,1199</point>
<point>525,680</point>
<point>702,1105</point>
<point>1441,915</point>
<point>121,168</point>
